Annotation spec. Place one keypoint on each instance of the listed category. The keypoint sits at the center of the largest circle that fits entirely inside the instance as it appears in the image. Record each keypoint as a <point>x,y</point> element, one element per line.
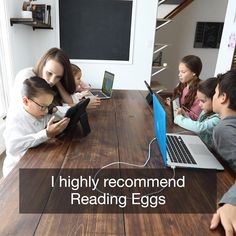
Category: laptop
<point>180,150</point>
<point>149,96</point>
<point>107,84</point>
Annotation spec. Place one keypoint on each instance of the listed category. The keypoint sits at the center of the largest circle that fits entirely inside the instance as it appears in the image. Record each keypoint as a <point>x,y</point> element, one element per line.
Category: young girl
<point>80,85</point>
<point>207,119</point>
<point>82,89</point>
<point>189,70</point>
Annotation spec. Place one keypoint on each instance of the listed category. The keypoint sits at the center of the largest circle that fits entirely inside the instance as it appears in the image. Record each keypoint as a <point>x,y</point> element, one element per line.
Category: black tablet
<point>78,113</point>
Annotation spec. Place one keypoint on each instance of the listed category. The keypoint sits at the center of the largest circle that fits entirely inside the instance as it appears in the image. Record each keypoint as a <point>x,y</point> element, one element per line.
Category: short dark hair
<point>208,87</point>
<point>34,86</point>
<point>227,85</point>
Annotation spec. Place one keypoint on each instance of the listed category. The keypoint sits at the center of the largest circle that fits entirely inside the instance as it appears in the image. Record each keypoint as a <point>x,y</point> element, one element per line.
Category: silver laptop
<point>107,84</point>
<point>179,150</point>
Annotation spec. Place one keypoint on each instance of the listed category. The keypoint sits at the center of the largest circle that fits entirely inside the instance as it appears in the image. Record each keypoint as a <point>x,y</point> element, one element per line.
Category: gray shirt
<point>224,137</point>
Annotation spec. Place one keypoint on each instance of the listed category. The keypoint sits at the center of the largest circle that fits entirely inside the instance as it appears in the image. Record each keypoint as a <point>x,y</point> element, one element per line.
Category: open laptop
<point>180,150</point>
<point>149,96</point>
<point>107,84</point>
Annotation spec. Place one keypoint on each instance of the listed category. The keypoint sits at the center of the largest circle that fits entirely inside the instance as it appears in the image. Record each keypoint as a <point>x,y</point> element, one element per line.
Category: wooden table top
<point>122,128</point>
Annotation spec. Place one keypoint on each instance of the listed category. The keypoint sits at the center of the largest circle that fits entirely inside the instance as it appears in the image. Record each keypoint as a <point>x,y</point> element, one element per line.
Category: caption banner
<point>117,191</point>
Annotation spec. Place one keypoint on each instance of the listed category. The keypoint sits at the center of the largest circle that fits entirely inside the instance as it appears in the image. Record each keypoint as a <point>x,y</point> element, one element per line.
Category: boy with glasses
<point>30,124</point>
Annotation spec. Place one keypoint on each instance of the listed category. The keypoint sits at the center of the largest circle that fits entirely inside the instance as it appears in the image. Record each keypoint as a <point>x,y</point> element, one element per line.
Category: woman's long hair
<point>58,55</point>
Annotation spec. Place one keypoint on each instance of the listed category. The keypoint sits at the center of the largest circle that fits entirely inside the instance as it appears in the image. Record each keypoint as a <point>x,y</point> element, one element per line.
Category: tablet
<point>78,113</point>
<point>175,103</point>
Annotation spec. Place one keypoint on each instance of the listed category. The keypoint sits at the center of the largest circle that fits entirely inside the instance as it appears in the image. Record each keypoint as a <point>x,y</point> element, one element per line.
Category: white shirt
<point>22,132</point>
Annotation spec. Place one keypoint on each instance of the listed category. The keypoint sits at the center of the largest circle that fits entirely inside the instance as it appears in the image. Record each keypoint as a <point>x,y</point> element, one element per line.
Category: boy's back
<point>224,136</point>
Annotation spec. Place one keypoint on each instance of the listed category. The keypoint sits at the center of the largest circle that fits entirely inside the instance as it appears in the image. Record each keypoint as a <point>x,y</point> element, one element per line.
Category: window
<point>2,99</point>
<point>5,61</point>
<point>208,34</point>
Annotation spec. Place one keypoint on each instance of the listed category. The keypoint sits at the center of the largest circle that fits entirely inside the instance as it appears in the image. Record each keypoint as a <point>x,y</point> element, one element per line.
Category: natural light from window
<point>5,61</point>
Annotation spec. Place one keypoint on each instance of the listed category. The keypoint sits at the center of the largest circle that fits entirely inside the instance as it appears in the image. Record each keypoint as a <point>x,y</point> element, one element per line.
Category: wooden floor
<point>121,130</point>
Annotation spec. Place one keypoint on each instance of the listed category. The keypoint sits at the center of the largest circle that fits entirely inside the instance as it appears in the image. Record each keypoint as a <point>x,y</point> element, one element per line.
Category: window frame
<point>6,74</point>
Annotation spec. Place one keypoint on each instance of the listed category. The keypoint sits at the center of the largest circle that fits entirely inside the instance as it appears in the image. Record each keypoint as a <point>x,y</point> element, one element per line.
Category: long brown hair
<point>58,55</point>
<point>194,64</point>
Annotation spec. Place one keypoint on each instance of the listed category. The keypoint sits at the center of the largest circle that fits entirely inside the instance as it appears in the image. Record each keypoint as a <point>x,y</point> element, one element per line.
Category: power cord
<point>134,165</point>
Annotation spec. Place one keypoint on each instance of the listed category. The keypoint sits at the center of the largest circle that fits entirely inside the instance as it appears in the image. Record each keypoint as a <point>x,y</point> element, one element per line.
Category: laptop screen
<point>107,83</point>
<point>160,126</point>
<point>148,87</point>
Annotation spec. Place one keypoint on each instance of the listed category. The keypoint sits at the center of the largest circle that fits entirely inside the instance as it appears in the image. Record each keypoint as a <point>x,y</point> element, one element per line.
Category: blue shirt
<point>203,126</point>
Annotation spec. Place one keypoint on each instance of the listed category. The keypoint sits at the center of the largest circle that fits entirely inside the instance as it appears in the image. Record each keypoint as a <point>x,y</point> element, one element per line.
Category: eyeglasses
<point>43,108</point>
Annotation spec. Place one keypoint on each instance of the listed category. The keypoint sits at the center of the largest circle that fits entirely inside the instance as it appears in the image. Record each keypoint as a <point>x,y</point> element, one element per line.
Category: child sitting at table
<point>82,89</point>
<point>189,70</point>
<point>30,124</point>
<point>208,119</point>
<point>80,85</point>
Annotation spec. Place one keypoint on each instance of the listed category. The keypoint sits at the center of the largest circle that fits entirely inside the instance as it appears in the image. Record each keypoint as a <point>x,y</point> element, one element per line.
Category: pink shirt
<point>195,109</point>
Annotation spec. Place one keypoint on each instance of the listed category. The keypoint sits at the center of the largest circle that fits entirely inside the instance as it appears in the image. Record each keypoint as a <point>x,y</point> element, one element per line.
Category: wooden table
<point>122,128</point>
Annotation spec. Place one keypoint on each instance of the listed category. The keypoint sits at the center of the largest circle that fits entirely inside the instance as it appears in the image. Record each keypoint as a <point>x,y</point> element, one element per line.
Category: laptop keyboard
<point>99,94</point>
<point>178,151</point>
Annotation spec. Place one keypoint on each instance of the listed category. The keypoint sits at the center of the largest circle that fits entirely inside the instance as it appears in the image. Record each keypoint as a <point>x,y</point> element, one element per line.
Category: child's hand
<point>85,93</point>
<point>180,111</point>
<point>53,129</point>
<point>94,102</point>
<point>167,101</point>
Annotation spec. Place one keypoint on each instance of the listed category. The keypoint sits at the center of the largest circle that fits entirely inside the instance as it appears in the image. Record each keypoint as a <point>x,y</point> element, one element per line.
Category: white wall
<point>29,45</point>
<point>2,143</point>
<point>226,51</point>
<point>129,76</point>
<point>180,34</point>
<point>26,45</point>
